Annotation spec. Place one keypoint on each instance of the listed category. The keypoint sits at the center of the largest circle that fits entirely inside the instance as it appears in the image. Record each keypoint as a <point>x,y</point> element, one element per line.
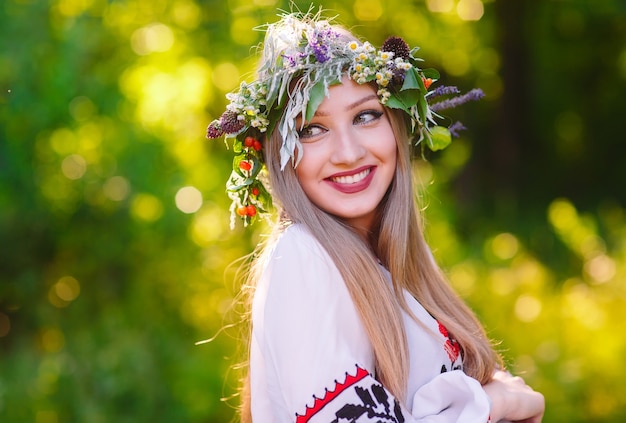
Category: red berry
<point>249,141</point>
<point>257,145</point>
<point>245,165</point>
<point>255,191</point>
<point>251,210</point>
<point>242,211</point>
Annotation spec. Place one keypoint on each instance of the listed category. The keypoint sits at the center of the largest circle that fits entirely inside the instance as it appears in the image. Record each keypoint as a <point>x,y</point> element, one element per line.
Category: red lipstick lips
<point>352,181</point>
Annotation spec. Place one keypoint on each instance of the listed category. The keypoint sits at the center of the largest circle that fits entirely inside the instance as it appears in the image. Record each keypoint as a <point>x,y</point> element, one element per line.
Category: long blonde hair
<point>399,244</point>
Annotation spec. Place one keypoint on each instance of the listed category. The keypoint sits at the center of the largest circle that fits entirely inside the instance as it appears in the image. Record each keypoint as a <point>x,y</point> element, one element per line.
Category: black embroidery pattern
<point>376,406</point>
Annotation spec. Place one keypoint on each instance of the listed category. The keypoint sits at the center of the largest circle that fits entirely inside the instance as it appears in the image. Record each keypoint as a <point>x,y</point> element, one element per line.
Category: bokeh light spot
<point>487,61</point>
<point>601,268</point>
<point>186,14</point>
<point>505,246</point>
<point>470,10</point>
<point>226,76</point>
<point>527,308</point>
<point>562,214</point>
<point>188,199</point>
<point>241,31</point>
<point>548,351</point>
<point>67,288</point>
<point>74,166</point>
<point>52,340</point>
<point>503,281</point>
<point>463,277</point>
<point>146,207</point>
<point>116,188</point>
<point>580,303</point>
<point>156,37</point>
<point>73,7</point>
<point>456,62</point>
<point>63,141</point>
<point>81,108</point>
<point>208,226</point>
<point>441,6</point>
<point>368,10</point>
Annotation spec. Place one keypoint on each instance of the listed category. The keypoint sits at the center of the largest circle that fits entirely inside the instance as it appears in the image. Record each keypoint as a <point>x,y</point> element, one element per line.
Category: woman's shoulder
<point>298,259</point>
<point>297,241</point>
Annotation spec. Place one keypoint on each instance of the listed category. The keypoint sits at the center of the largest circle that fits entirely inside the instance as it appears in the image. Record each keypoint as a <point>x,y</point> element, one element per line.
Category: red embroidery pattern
<point>330,395</point>
<point>452,347</point>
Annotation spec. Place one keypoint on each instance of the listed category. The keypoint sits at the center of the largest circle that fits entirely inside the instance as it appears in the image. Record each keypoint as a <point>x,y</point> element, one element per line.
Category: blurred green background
<point>115,251</point>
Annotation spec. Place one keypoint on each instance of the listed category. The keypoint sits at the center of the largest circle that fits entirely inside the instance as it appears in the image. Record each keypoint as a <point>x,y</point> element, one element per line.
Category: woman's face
<point>349,154</point>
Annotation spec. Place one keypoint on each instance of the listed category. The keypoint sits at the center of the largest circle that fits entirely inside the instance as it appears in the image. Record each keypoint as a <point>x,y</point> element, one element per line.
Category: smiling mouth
<point>351,179</point>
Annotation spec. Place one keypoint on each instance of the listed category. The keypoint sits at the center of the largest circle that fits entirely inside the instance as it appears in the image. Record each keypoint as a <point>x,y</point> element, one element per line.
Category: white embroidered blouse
<point>311,360</point>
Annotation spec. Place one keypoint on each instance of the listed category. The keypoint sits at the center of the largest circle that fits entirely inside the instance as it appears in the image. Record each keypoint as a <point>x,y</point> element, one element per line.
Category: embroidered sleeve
<point>360,398</point>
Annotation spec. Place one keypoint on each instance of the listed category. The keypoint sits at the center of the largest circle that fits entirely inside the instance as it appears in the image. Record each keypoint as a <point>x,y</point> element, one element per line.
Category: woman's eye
<point>310,131</point>
<point>367,116</point>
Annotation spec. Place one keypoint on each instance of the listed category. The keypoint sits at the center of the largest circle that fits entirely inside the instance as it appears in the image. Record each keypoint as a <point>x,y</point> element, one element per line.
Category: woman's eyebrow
<point>350,106</point>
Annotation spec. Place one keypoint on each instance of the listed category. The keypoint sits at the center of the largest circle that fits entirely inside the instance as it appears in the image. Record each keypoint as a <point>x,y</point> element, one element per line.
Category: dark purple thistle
<point>230,122</point>
<point>397,46</point>
<point>214,130</point>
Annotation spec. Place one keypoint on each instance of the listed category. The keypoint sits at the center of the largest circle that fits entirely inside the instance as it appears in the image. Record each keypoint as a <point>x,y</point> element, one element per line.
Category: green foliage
<point>115,252</point>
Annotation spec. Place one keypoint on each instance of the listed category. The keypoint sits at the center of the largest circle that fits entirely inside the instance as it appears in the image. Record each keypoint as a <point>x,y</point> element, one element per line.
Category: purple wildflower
<point>443,90</point>
<point>214,130</point>
<point>230,122</point>
<point>455,128</point>
<point>320,43</point>
<point>291,61</point>
<point>398,74</point>
<point>473,95</point>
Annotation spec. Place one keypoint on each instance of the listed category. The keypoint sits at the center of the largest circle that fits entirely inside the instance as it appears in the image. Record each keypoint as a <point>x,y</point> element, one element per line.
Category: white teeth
<point>352,179</point>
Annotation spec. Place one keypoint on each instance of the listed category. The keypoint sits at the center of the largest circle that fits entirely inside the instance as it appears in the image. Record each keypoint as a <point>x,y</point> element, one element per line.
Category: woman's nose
<point>347,147</point>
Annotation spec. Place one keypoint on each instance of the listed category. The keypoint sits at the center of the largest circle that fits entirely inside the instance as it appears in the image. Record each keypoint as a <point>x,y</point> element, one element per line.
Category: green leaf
<point>394,103</point>
<point>412,80</point>
<point>431,73</point>
<point>234,188</point>
<point>439,138</point>
<point>404,100</point>
<point>316,96</point>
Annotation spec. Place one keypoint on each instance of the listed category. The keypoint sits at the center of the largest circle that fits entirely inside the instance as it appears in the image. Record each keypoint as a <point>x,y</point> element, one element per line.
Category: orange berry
<point>251,210</point>
<point>249,141</point>
<point>427,82</point>
<point>242,211</point>
<point>245,165</point>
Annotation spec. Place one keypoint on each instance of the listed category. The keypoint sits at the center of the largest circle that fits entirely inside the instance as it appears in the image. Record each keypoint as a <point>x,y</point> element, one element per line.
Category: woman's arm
<point>513,400</point>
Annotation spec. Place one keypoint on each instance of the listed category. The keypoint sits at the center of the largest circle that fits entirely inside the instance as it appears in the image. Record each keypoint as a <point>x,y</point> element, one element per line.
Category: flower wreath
<point>303,55</point>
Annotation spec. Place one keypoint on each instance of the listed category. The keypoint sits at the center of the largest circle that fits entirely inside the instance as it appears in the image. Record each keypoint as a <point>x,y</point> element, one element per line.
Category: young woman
<point>352,320</point>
